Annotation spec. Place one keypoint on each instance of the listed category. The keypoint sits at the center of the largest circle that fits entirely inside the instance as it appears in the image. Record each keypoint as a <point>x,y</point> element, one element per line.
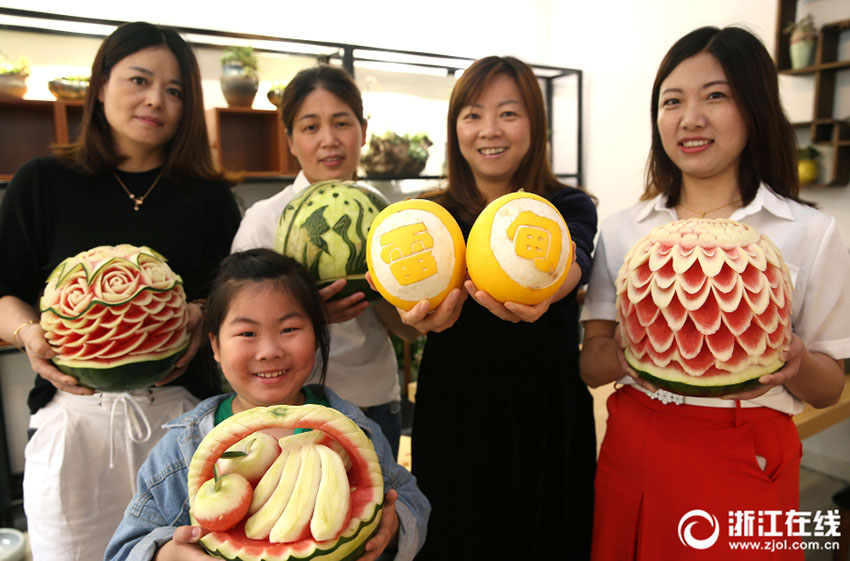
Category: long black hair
<point>770,155</point>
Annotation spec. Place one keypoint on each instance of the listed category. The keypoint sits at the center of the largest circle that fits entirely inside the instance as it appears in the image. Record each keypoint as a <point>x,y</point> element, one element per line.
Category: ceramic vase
<point>238,88</point>
<point>801,53</point>
<point>13,85</point>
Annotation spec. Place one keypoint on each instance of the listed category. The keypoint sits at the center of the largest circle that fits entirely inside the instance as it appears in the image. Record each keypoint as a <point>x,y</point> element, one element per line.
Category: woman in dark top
<point>503,433</point>
<point>140,173</point>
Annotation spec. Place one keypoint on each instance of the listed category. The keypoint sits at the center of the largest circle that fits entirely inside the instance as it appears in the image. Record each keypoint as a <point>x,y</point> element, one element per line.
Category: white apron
<point>81,465</point>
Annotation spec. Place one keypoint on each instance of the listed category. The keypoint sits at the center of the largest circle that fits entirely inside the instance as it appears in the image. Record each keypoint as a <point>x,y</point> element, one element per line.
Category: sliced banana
<point>269,482</point>
<point>296,516</point>
<point>332,498</point>
<point>259,525</point>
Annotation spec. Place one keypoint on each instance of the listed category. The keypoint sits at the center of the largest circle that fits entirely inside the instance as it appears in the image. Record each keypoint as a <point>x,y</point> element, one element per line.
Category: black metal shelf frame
<point>325,51</point>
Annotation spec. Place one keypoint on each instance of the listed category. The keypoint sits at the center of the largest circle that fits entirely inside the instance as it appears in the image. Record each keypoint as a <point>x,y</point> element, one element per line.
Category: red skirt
<point>684,482</point>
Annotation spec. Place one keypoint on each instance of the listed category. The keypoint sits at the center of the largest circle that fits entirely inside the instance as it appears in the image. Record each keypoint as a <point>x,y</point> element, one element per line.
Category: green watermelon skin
<point>699,391</point>
<point>126,377</point>
<point>222,548</point>
<point>325,228</point>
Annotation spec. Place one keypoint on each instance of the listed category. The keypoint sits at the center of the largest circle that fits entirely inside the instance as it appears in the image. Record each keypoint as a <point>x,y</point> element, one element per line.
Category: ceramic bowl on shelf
<point>13,85</point>
<point>68,89</point>
<point>13,544</point>
<point>275,95</point>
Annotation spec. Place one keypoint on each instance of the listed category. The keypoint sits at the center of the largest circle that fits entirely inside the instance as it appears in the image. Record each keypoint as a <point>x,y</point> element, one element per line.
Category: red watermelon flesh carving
<point>704,306</point>
<point>116,317</point>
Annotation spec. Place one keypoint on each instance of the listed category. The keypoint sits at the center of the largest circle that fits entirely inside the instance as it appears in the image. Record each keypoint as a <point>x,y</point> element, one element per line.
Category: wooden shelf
<point>250,141</point>
<point>29,128</point>
<point>824,129</point>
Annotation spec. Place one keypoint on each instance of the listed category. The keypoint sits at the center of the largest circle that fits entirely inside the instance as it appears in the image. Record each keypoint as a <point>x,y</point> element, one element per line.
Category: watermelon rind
<point>696,386</point>
<point>131,374</point>
<point>346,548</point>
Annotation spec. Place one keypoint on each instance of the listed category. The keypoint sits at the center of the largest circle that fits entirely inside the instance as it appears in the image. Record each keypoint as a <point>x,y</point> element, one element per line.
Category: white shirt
<point>810,244</point>
<point>362,366</point>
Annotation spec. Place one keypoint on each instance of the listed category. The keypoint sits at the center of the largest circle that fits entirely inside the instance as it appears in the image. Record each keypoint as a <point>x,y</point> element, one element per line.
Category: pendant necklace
<point>702,213</point>
<point>138,201</point>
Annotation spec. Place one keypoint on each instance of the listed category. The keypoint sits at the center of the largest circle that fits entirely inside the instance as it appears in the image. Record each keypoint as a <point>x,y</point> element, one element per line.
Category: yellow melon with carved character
<point>519,249</point>
<point>415,251</point>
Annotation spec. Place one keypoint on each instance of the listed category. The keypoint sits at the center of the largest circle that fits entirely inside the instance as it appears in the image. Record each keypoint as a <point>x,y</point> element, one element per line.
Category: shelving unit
<point>825,129</point>
<point>252,140</point>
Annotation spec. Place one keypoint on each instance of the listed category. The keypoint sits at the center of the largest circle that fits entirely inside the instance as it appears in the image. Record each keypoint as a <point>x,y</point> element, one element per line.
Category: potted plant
<point>13,77</point>
<point>801,44</point>
<point>394,155</point>
<point>239,81</point>
<point>807,165</point>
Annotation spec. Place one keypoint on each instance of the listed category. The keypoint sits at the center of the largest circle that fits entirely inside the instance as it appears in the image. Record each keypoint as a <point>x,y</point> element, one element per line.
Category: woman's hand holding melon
<point>343,309</point>
<point>516,312</point>
<point>183,546</point>
<point>39,352</point>
<point>424,319</point>
<point>387,534</point>
<point>792,357</point>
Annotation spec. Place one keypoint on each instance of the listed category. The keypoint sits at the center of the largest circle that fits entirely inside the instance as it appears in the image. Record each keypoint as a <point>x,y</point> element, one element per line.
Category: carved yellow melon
<point>519,249</point>
<point>415,251</point>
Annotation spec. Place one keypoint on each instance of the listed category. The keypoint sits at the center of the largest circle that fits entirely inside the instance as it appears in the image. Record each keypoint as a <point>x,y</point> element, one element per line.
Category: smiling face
<point>143,102</point>
<point>701,128</point>
<point>266,347</point>
<point>493,134</point>
<point>326,137</point>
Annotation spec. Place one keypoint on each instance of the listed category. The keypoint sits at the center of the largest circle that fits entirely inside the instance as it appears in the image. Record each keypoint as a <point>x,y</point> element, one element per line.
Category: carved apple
<point>222,501</point>
<point>260,452</point>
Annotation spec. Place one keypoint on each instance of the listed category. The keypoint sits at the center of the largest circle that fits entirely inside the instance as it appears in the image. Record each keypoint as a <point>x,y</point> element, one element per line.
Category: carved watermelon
<point>704,306</point>
<point>320,499</point>
<point>325,228</point>
<point>116,317</point>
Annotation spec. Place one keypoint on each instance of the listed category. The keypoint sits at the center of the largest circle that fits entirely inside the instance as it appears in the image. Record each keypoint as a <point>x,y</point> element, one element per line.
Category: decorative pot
<point>13,85</point>
<point>238,88</point>
<point>808,171</point>
<point>801,53</point>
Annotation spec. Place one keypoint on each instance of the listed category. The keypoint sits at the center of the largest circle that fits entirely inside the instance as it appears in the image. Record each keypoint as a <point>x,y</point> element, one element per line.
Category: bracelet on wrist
<point>18,330</point>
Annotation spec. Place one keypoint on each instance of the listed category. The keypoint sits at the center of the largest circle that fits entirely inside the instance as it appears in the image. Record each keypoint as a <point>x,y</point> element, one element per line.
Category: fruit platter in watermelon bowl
<point>116,317</point>
<point>704,307</point>
<point>282,483</point>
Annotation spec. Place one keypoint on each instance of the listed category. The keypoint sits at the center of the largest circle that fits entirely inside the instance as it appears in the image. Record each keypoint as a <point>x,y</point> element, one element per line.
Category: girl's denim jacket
<point>161,503</point>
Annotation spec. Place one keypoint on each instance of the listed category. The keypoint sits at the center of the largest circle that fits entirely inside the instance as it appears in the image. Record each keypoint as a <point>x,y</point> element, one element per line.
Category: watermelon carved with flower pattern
<point>704,306</point>
<point>116,317</point>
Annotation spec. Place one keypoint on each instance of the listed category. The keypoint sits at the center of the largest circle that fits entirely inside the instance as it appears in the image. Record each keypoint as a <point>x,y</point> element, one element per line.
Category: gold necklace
<point>702,213</point>
<point>138,200</point>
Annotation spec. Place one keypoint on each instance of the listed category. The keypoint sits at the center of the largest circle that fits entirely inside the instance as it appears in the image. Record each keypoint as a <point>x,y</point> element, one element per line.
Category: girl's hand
<point>196,328</point>
<point>39,352</point>
<point>343,309</point>
<point>424,319</point>
<point>792,357</point>
<point>387,534</point>
<point>183,546</point>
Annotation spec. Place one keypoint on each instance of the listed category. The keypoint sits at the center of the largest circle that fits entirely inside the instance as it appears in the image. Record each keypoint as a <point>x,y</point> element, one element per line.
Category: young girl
<point>141,172</point>
<point>322,113</point>
<point>266,324</point>
<point>503,435</point>
<point>721,148</point>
